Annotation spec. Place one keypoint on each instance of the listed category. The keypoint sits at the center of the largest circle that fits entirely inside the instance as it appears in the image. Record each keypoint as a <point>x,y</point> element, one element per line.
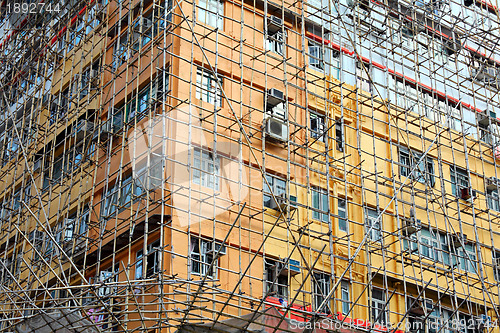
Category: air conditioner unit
<point>456,240</point>
<point>100,11</point>
<point>274,24</point>
<point>466,193</point>
<point>483,118</point>
<point>282,202</point>
<point>37,166</point>
<point>411,225</point>
<point>108,129</point>
<point>214,250</point>
<point>276,129</point>
<point>83,129</point>
<point>292,267</point>
<point>492,184</point>
<point>274,97</point>
<point>36,236</point>
<point>452,46</point>
<point>485,73</point>
<point>496,263</point>
<point>94,74</point>
<point>146,23</point>
<point>75,86</point>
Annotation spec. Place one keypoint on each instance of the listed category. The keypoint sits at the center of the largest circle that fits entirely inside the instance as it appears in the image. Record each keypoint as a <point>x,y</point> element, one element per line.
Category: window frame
<point>276,42</point>
<point>321,284</point>
<point>345,297</point>
<point>316,57</point>
<point>319,213</point>
<point>276,282</point>
<point>375,233</point>
<point>278,185</point>
<point>378,306</point>
<point>115,197</point>
<point>152,252</point>
<point>211,13</point>
<point>457,175</point>
<point>493,199</point>
<point>422,173</point>
<point>318,131</point>
<point>206,169</point>
<point>344,216</point>
<point>207,87</point>
<point>202,259</point>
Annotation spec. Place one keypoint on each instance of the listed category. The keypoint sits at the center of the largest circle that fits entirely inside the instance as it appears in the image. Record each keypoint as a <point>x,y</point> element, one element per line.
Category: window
<point>149,171</point>
<point>109,277</point>
<point>468,258</point>
<point>207,87</point>
<point>152,261</point>
<point>64,164</point>
<point>119,196</point>
<point>430,244</point>
<point>76,224</point>
<point>496,264</point>
<point>317,126</point>
<point>211,12</point>
<point>423,169</point>
<point>60,106</point>
<point>321,289</point>
<point>76,33</point>
<point>202,254</point>
<point>120,52</point>
<point>143,102</point>
<point>316,59</point>
<point>363,79</point>
<point>434,320</point>
<point>206,169</point>
<point>318,11</point>
<point>345,296</point>
<point>489,133</point>
<point>339,135</point>
<point>142,31</point>
<point>320,205</point>
<point>92,21</point>
<point>276,279</point>
<point>372,221</point>
<point>90,77</point>
<point>378,307</point>
<point>276,42</point>
<point>493,199</point>
<point>277,187</point>
<point>335,67</point>
<point>459,180</point>
<point>342,213</point>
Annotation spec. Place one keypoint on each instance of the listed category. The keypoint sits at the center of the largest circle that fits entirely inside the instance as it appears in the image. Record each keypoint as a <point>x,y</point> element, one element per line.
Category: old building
<point>215,165</point>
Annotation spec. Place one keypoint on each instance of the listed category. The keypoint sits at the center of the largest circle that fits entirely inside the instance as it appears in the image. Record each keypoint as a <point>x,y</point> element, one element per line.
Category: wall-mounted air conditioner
<point>411,225</point>
<point>485,74</point>
<point>466,193</point>
<point>37,165</point>
<point>282,202</point>
<point>276,129</point>
<point>291,267</point>
<point>275,97</point>
<point>83,129</point>
<point>217,249</point>
<point>274,24</point>
<point>457,240</point>
<point>492,184</point>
